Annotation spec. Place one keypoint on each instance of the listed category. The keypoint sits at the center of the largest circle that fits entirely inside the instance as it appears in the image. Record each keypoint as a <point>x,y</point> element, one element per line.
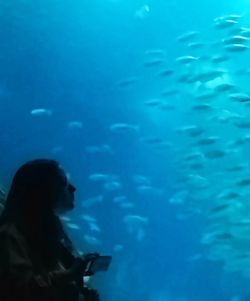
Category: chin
<point>71,206</point>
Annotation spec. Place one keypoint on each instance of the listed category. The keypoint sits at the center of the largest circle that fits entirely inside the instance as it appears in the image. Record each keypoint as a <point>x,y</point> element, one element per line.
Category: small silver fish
<point>91,201</point>
<point>240,97</point>
<point>208,141</point>
<point>73,226</point>
<point>187,59</point>
<point>220,58</point>
<point>235,40</point>
<point>112,186</point>
<point>202,107</point>
<point>123,127</point>
<point>166,72</point>
<point>153,62</point>
<point>187,36</point>
<point>236,48</point>
<point>75,125</point>
<point>98,177</point>
<point>224,87</point>
<point>127,82</point>
<point>41,112</point>
<point>196,45</point>
<point>153,102</point>
<point>224,23</point>
<point>215,154</point>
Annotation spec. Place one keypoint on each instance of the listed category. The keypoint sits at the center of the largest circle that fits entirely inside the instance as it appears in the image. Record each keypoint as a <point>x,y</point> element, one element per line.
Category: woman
<point>36,256</point>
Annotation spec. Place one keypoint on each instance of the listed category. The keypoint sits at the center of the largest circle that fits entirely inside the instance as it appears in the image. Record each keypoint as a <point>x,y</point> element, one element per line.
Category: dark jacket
<point>24,276</point>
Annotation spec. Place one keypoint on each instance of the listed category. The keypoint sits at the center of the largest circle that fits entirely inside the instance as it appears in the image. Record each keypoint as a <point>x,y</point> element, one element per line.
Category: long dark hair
<point>36,172</point>
<point>31,174</point>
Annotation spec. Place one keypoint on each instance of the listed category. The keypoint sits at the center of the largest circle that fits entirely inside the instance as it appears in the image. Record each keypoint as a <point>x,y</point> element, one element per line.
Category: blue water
<point>68,56</point>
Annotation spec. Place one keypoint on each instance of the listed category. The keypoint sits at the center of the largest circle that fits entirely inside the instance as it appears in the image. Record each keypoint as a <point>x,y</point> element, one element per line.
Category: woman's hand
<point>78,267</point>
<point>91,295</point>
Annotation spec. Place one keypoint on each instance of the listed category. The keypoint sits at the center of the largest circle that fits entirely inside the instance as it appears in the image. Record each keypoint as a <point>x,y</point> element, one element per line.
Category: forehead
<point>62,176</point>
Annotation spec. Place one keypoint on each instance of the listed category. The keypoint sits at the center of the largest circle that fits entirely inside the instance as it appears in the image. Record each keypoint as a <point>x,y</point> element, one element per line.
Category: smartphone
<point>98,264</point>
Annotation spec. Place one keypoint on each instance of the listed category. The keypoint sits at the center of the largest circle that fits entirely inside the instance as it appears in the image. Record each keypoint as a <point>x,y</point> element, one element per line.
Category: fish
<point>208,75</point>
<point>215,154</point>
<point>94,227</point>
<point>236,298</point>
<point>41,112</point>
<point>196,166</point>
<point>120,199</point>
<point>169,92</point>
<point>206,95</point>
<point>242,72</point>
<point>75,125</point>
<point>163,146</point>
<point>118,248</point>
<point>141,180</point>
<point>127,82</point>
<point>88,218</point>
<point>236,168</point>
<point>226,116</point>
<point>227,17</point>
<point>155,102</point>
<point>235,40</point>
<point>92,201</point>
<point>243,182</point>
<point>224,236</point>
<point>94,149</point>
<point>142,12</point>
<point>135,224</point>
<point>208,140</point>
<point>219,208</point>
<point>236,48</point>
<point>126,205</point>
<point>73,226</point>
<point>224,87</point>
<point>149,190</point>
<point>193,156</point>
<point>153,62</point>
<point>191,130</point>
<point>190,35</point>
<point>196,45</point>
<point>245,32</point>
<point>240,97</point>
<point>228,195</point>
<point>99,177</point>
<point>202,107</point>
<point>225,23</point>
<point>65,218</point>
<point>155,52</point>
<point>135,220</point>
<point>124,127</point>
<point>166,72</point>
<point>195,257</point>
<point>198,181</point>
<point>187,59</point>
<point>112,186</point>
<point>220,58</point>
<point>57,149</point>
<point>242,223</point>
<point>151,140</point>
<point>92,240</point>
<point>179,197</point>
<point>243,124</point>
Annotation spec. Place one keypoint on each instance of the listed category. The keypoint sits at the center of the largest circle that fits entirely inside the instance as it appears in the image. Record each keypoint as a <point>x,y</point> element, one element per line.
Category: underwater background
<point>125,94</point>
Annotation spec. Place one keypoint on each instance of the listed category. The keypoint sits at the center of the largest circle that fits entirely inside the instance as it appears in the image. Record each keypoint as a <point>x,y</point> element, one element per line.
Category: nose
<point>72,188</point>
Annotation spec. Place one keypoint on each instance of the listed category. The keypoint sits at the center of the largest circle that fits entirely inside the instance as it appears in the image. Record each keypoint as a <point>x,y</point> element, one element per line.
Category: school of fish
<point>207,89</point>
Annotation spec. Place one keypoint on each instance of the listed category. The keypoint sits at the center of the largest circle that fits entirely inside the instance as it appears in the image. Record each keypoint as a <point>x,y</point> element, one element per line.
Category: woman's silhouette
<point>36,256</point>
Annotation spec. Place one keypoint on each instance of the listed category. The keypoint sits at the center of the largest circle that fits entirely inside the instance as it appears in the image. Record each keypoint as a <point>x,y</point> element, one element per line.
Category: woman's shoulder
<point>10,232</point>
